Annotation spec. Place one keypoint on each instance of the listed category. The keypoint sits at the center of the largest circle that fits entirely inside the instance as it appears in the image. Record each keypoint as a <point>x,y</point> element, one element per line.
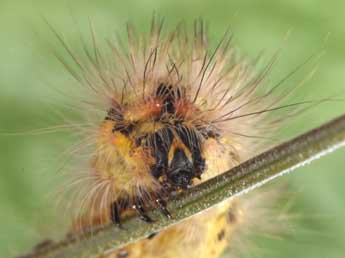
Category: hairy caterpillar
<point>175,113</point>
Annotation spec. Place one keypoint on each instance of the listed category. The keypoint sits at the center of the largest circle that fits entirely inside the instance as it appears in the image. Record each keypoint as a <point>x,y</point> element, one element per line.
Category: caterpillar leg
<point>205,235</point>
<point>139,207</point>
<point>115,214</point>
<point>162,206</point>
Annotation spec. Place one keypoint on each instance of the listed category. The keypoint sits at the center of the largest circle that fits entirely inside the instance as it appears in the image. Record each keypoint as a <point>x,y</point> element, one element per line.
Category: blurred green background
<point>31,78</point>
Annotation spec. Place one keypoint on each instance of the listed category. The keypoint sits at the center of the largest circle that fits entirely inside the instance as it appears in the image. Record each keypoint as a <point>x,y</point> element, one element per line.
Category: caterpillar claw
<point>142,213</point>
<point>162,206</point>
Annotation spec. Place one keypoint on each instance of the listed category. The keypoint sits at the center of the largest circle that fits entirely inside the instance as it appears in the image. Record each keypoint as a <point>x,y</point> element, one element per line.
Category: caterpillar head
<point>159,127</point>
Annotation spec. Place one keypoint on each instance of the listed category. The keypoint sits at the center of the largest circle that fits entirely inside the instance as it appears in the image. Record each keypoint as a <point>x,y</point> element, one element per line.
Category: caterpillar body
<point>172,114</point>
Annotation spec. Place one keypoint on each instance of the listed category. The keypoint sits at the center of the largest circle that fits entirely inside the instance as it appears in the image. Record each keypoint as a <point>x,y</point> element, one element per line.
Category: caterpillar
<point>172,113</point>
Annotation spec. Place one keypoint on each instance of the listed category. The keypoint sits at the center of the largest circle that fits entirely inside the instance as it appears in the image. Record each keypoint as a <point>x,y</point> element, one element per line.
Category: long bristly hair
<point>220,92</point>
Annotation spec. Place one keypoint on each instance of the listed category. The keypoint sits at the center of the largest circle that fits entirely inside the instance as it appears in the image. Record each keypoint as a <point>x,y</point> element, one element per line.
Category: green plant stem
<point>243,178</point>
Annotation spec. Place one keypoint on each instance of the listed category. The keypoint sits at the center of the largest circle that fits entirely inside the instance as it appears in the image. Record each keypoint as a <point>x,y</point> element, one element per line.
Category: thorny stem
<point>243,178</point>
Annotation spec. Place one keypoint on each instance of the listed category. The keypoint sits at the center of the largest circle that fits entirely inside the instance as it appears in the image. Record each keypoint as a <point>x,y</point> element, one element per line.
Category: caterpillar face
<point>149,147</point>
<point>158,128</point>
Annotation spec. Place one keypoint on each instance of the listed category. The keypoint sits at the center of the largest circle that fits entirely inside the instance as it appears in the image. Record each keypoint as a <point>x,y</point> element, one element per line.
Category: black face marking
<point>180,172</point>
<point>193,142</point>
<point>160,142</point>
<point>169,95</point>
